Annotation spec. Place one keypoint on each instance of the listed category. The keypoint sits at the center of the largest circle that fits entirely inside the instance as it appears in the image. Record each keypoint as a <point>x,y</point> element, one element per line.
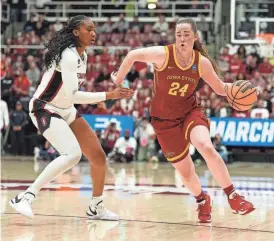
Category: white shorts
<point>41,113</point>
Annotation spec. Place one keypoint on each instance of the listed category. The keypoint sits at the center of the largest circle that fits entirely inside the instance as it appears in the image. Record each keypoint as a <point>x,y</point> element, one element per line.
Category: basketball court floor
<point>150,199</point>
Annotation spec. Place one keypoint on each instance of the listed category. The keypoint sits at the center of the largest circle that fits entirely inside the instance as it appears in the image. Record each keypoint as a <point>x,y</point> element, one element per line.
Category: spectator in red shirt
<point>111,135</point>
<point>116,109</point>
<point>265,68</point>
<point>112,64</point>
<point>21,84</point>
<point>236,65</point>
<point>105,56</point>
<point>100,109</point>
<point>225,56</point>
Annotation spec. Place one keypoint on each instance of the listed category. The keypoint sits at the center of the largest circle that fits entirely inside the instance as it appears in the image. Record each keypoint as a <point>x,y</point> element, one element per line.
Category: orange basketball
<point>242,95</point>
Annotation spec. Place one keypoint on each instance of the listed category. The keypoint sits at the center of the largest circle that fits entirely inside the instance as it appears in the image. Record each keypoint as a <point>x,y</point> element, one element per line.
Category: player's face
<point>185,36</point>
<point>87,32</point>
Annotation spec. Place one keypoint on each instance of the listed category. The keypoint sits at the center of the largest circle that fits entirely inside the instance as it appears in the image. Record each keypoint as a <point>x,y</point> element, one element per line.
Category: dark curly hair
<point>62,40</point>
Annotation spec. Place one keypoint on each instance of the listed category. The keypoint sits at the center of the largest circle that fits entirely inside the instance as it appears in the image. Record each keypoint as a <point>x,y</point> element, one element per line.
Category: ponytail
<point>203,50</point>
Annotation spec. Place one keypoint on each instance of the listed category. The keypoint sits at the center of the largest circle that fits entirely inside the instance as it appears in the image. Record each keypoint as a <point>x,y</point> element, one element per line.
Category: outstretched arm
<point>155,55</point>
<point>210,76</point>
<point>69,70</point>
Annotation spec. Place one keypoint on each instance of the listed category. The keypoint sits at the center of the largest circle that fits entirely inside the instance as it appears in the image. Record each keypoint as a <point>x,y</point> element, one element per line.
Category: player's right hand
<point>119,93</point>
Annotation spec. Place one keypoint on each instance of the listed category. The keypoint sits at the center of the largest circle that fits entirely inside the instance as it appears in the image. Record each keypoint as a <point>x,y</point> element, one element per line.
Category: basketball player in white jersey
<point>53,113</point>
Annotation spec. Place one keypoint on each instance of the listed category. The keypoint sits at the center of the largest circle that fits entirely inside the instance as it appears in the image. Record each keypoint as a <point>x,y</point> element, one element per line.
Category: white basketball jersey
<point>60,82</point>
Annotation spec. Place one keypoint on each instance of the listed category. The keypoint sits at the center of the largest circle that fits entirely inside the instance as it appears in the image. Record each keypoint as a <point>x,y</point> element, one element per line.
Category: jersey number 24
<point>176,88</point>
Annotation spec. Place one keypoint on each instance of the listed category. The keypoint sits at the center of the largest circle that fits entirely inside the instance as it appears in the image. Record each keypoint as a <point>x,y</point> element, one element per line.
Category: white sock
<point>30,189</point>
<point>96,200</point>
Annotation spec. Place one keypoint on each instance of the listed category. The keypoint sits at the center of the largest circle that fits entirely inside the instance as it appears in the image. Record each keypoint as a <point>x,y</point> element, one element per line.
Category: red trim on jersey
<point>49,83</point>
<point>56,92</point>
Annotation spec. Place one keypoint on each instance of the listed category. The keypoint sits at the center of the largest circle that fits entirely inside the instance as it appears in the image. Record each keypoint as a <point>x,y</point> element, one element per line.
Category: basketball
<point>242,95</point>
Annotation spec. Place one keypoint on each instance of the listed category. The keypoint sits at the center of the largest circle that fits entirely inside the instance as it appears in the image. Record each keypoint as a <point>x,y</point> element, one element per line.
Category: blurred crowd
<point>22,68</point>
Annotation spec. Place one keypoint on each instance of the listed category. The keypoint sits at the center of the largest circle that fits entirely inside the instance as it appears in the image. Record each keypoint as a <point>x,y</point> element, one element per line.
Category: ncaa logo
<point>194,68</point>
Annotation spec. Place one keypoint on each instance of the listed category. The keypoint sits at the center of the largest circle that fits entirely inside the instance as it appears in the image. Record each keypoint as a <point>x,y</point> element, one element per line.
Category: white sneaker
<point>99,212</point>
<point>97,229</point>
<point>22,203</point>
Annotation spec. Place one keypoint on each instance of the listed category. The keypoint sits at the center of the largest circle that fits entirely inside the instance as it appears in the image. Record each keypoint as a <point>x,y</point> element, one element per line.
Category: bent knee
<point>205,147</point>
<point>75,154</point>
<point>97,157</point>
<point>188,174</point>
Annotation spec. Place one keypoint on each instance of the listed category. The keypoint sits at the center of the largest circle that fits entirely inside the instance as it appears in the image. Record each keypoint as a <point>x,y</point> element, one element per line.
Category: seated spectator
<point>85,109</point>
<point>18,63</point>
<point>236,65</point>
<point>110,137</point>
<point>145,135</point>
<point>121,26</point>
<point>161,25</point>
<point>18,120</point>
<point>21,85</point>
<point>259,81</point>
<point>30,24</point>
<point>33,75</point>
<point>225,56</point>
<point>259,111</point>
<point>48,152</point>
<point>124,148</point>
<point>39,30</point>
<point>107,26</point>
<point>220,148</point>
<point>135,25</point>
<point>250,65</point>
<point>241,52</point>
<point>43,22</point>
<point>100,109</point>
<point>116,109</point>
<point>265,68</point>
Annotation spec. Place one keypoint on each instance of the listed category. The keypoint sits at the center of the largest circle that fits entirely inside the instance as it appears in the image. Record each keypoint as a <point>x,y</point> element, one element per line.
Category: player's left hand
<point>120,93</point>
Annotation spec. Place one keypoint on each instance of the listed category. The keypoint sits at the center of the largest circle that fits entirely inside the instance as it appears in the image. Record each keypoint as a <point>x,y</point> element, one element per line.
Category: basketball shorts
<point>174,135</point>
<point>42,113</point>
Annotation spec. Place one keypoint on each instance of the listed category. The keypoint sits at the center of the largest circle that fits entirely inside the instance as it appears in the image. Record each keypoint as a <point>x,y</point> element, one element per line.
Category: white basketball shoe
<point>97,211</point>
<point>22,203</point>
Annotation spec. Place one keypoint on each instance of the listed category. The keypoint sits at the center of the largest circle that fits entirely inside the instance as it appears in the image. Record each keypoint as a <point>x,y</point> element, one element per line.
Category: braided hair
<point>198,45</point>
<point>63,39</point>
